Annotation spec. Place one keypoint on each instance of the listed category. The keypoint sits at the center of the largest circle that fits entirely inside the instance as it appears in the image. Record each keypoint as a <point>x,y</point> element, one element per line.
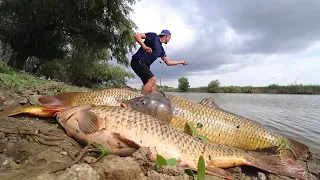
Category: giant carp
<point>50,104</point>
<point>124,130</point>
<point>218,125</point>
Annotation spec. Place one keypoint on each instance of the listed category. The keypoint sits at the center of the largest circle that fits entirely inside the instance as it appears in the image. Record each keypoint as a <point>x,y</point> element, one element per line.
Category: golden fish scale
<point>111,97</point>
<point>221,127</point>
<point>169,142</point>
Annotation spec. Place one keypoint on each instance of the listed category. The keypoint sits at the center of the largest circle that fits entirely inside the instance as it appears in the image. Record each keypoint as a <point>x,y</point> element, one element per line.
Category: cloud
<point>224,39</point>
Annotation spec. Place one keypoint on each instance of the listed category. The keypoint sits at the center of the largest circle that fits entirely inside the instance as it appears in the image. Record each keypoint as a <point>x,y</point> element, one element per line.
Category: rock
<point>2,135</point>
<point>261,176</point>
<point>142,156</point>
<point>120,169</point>
<point>154,175</point>
<point>34,99</point>
<point>23,100</point>
<point>44,177</point>
<point>75,172</point>
<point>171,170</point>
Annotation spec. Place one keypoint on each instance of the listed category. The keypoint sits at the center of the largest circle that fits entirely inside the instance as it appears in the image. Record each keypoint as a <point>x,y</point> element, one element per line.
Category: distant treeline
<point>271,89</point>
<point>214,87</point>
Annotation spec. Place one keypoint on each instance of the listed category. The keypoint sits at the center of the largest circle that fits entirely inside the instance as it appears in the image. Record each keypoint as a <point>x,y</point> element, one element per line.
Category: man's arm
<point>138,38</point>
<point>173,63</point>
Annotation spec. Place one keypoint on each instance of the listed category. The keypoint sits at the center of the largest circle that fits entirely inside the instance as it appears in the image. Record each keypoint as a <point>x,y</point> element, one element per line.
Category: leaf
<point>172,162</point>
<point>160,162</point>
<point>189,172</point>
<point>194,130</point>
<point>103,150</point>
<point>204,138</point>
<point>199,125</point>
<point>201,169</point>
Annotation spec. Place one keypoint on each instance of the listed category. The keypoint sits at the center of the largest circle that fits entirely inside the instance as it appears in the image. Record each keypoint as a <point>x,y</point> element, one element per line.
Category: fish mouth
<point>126,106</point>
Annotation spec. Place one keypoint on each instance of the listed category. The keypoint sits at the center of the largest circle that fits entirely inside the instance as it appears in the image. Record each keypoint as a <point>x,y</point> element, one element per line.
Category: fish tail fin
<point>293,149</point>
<point>11,111</point>
<point>277,164</point>
<point>30,110</point>
<point>59,100</point>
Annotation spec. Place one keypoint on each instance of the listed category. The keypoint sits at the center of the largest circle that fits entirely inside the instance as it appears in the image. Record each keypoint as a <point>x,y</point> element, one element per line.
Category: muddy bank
<point>42,150</point>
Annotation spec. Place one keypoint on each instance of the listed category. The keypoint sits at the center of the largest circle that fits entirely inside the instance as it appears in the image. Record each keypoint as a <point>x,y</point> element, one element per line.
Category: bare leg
<point>147,89</point>
<point>153,89</point>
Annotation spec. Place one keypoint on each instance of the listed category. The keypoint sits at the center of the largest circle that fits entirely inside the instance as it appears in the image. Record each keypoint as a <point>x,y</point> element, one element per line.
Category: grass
<point>19,81</point>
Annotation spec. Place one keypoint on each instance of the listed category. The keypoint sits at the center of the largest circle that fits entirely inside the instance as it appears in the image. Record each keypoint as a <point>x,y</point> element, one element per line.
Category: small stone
<point>79,171</point>
<point>44,177</point>
<point>89,159</point>
<point>120,169</point>
<point>261,176</point>
<point>64,153</point>
<point>23,100</point>
<point>2,135</point>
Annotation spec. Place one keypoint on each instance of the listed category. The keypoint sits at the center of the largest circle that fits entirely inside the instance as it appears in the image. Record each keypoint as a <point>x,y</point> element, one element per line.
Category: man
<point>150,50</point>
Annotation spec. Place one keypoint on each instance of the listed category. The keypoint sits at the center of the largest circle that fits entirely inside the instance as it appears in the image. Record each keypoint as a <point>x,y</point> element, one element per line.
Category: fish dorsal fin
<point>88,121</point>
<point>209,102</point>
<point>128,88</point>
<point>60,100</point>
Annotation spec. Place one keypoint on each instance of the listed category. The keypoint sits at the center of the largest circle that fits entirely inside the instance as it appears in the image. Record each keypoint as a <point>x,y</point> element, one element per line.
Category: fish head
<point>67,114</point>
<point>155,104</point>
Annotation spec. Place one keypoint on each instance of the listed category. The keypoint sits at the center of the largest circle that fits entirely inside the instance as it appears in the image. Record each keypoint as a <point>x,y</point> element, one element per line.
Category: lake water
<point>294,116</point>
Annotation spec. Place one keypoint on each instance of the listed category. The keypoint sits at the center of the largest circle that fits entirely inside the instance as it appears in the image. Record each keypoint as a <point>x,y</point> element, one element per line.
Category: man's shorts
<point>142,70</point>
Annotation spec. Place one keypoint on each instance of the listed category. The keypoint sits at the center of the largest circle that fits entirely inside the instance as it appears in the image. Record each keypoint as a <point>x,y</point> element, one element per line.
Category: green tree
<point>183,84</point>
<point>86,67</point>
<point>52,29</point>
<point>213,86</point>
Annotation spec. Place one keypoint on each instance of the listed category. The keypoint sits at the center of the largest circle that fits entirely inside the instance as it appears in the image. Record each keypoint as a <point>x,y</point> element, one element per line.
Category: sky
<point>242,43</point>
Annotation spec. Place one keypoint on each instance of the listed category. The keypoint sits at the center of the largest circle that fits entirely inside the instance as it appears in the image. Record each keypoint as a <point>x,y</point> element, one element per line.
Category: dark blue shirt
<point>153,41</point>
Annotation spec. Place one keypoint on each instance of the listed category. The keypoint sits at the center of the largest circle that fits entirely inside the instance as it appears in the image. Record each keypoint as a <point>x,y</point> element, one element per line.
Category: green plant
<point>201,170</point>
<point>195,132</point>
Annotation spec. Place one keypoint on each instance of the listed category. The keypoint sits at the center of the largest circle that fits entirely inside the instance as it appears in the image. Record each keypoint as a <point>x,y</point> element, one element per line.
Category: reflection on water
<point>293,116</point>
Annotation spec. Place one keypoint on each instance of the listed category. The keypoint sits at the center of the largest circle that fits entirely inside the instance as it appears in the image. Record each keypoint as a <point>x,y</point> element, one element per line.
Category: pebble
<point>261,176</point>
<point>64,153</point>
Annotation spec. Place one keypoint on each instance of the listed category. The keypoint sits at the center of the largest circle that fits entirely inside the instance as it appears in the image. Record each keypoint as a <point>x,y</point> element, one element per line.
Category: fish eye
<point>143,102</point>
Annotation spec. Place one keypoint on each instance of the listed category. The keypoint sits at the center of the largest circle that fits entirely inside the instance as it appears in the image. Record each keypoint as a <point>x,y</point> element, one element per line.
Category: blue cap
<point>165,32</point>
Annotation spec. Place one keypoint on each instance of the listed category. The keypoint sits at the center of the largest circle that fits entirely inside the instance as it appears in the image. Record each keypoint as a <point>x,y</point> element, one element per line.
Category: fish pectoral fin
<point>209,102</point>
<point>88,122</point>
<point>124,152</point>
<point>214,171</point>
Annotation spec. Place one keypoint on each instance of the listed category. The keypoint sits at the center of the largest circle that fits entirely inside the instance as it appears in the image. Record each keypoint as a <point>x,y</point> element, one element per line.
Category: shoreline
<point>26,157</point>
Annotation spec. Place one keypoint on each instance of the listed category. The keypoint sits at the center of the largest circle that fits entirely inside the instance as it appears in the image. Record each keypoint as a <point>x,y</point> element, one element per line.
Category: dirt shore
<point>38,148</point>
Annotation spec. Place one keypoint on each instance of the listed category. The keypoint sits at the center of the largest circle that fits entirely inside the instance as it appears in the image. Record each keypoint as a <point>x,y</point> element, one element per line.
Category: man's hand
<point>184,63</point>
<point>148,49</point>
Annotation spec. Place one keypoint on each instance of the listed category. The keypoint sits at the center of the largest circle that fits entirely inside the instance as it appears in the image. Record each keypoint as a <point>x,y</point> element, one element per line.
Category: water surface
<point>293,116</point>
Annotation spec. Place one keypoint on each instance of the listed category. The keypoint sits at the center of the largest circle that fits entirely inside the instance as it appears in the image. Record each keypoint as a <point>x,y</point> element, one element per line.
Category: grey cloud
<point>272,27</point>
<point>275,26</point>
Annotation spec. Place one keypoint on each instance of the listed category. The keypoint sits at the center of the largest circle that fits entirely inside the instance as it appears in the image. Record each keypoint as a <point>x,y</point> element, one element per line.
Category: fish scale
<point>111,96</point>
<point>221,127</point>
<point>131,121</point>
<point>146,131</point>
